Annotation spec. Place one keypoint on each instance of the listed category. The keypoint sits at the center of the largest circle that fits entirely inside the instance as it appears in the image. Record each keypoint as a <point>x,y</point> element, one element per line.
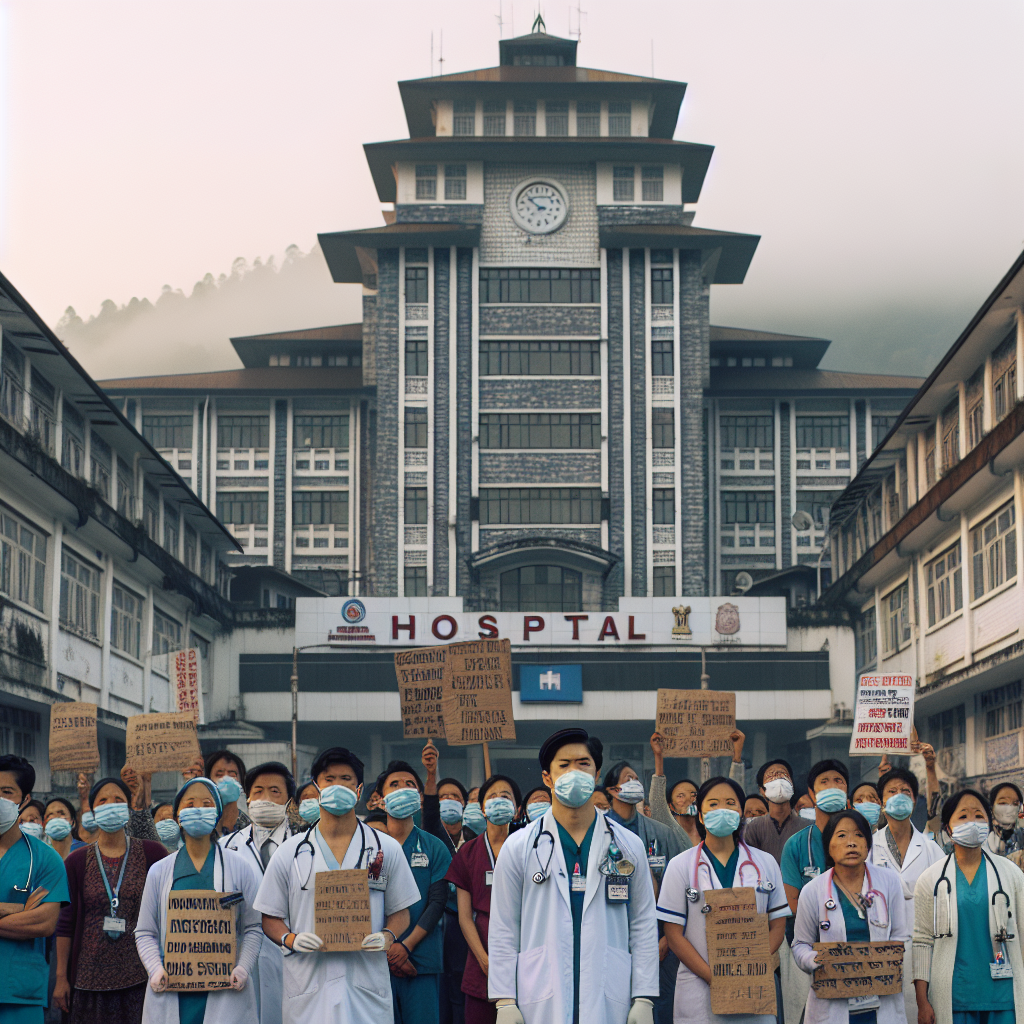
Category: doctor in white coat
<point>336,988</point>
<point>269,788</point>
<point>573,935</point>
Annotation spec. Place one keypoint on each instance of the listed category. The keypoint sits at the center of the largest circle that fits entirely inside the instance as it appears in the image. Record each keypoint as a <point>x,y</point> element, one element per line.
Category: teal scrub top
<point>794,857</point>
<point>429,860</point>
<point>726,872</point>
<point>974,988</point>
<point>26,973</point>
<point>576,857</point>
<point>192,1005</point>
<point>857,929</point>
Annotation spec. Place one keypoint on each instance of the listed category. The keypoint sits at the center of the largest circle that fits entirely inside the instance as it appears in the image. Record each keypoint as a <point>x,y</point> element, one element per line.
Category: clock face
<point>539,207</point>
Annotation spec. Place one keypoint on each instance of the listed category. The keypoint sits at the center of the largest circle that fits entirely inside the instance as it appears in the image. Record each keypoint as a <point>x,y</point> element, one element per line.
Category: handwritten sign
<point>199,945</point>
<point>477,703</point>
<point>161,742</point>
<point>73,746</point>
<point>696,723</point>
<point>854,969</point>
<point>342,909</point>
<point>185,678</point>
<point>742,977</point>
<point>420,676</point>
<point>885,715</point>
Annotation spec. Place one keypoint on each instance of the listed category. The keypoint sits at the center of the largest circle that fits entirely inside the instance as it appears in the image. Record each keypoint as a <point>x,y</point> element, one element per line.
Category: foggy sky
<point>875,146</point>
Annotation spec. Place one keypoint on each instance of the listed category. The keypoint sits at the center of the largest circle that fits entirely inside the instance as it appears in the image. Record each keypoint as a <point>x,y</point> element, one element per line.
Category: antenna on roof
<point>579,20</point>
<point>538,24</point>
<point>440,58</point>
<point>501,23</point>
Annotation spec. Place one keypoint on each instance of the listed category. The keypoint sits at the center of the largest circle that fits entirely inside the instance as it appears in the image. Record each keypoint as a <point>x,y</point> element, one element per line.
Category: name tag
<point>1000,970</point>
<point>812,871</point>
<point>616,890</point>
<point>419,860</point>
<point>380,883</point>
<point>488,877</point>
<point>114,925</point>
<point>578,883</point>
<point>656,863</point>
<point>861,1004</point>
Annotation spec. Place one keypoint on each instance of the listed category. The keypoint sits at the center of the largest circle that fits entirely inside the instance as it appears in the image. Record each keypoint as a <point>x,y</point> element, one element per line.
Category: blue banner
<point>554,683</point>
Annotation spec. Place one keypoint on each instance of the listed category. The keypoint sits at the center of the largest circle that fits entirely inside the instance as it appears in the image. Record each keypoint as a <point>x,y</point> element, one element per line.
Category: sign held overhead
<point>696,723</point>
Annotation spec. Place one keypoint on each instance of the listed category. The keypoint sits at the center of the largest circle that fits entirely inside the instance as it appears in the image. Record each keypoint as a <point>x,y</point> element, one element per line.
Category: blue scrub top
<point>726,872</point>
<point>794,860</point>
<point>428,956</point>
<point>26,974</point>
<point>974,988</point>
<point>857,929</point>
<point>192,1005</point>
<point>576,855</point>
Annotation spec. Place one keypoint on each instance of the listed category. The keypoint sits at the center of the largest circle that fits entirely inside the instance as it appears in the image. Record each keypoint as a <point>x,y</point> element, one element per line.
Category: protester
<point>99,976</point>
<point>1007,835</point>
<point>308,801</point>
<point>865,801</point>
<point>60,822</point>
<point>565,902</point>
<point>378,821</point>
<point>963,926</point>
<point>166,827</point>
<point>473,817</point>
<point>227,770</point>
<point>30,821</point>
<point>537,803</point>
<point>33,875</point>
<point>754,806</point>
<point>720,861</point>
<point>804,807</point>
<point>601,800</point>
<point>346,986</point>
<point>663,807</point>
<point>851,902</point>
<point>775,782</point>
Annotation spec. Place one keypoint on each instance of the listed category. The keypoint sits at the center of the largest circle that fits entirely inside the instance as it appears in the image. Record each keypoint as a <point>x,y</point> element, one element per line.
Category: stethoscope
<point>251,845</point>
<point>307,841</point>
<point>31,865</point>
<point>1001,935</point>
<point>693,891</point>
<point>869,901</point>
<point>607,866</point>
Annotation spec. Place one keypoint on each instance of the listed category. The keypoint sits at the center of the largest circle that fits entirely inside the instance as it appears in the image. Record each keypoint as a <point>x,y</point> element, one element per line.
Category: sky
<point>875,147</point>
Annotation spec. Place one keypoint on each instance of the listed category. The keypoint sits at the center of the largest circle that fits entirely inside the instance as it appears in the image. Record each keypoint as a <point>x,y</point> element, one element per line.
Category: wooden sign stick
<point>487,760</point>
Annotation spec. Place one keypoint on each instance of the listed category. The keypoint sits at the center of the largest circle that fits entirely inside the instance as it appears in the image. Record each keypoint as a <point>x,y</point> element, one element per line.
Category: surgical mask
<point>473,817</point>
<point>831,800</point>
<point>267,813</point>
<point>779,791</point>
<point>722,821</point>
<point>402,803</point>
<point>337,800</point>
<point>631,792</point>
<point>870,811</point>
<point>537,810</point>
<point>899,806</point>
<point>112,817</point>
<point>691,811</point>
<point>168,830</point>
<point>970,834</point>
<point>198,821</point>
<point>309,810</point>
<point>58,829</point>
<point>451,811</point>
<point>500,810</point>
<point>574,788</point>
<point>8,814</point>
<point>88,821</point>
<point>229,789</point>
<point>807,813</point>
<point>33,829</point>
<point>1006,814</point>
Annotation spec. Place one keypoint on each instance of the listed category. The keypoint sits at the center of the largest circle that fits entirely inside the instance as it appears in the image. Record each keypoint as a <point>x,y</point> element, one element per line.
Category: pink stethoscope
<point>693,892</point>
<point>869,900</point>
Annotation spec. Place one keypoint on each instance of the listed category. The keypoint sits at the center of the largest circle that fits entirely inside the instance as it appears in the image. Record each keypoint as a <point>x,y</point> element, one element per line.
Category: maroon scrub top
<point>469,870</point>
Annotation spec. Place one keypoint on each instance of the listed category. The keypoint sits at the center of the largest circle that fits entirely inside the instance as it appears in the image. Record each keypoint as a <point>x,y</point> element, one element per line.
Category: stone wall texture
<point>568,468</point>
<point>533,393</point>
<point>440,370</point>
<point>543,321</point>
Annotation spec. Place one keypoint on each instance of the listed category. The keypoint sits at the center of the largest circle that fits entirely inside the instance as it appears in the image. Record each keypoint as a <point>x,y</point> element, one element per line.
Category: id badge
<point>656,864</point>
<point>861,1004</point>
<point>578,883</point>
<point>812,871</point>
<point>616,890</point>
<point>419,860</point>
<point>488,877</point>
<point>114,927</point>
<point>998,970</point>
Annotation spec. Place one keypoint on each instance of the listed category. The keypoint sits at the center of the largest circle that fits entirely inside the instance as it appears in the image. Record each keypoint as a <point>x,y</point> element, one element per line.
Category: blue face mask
<point>451,811</point>
<point>309,810</point>
<point>830,800</point>
<point>58,829</point>
<point>899,806</point>
<point>229,789</point>
<point>473,818</point>
<point>168,830</point>
<point>337,800</point>
<point>198,821</point>
<point>88,821</point>
<point>870,811</point>
<point>499,810</point>
<point>112,817</point>
<point>574,788</point>
<point>538,810</point>
<point>33,829</point>
<point>402,803</point>
<point>722,821</point>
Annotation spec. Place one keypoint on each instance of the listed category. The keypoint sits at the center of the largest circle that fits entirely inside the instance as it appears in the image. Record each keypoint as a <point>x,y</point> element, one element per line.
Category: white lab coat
<point>530,937</point>
<point>893,927</point>
<point>693,994</point>
<point>231,873</point>
<point>921,854</point>
<point>266,980</point>
<point>335,988</point>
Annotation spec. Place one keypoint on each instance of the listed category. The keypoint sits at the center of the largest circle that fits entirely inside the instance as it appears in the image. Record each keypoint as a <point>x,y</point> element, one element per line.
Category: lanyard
<point>490,852</point>
<point>112,896</point>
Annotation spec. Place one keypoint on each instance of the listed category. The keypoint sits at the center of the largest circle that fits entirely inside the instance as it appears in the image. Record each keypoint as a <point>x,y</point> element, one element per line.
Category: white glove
<point>641,1012</point>
<point>239,976</point>
<point>158,980</point>
<point>307,942</point>
<point>375,942</point>
<point>509,1013</point>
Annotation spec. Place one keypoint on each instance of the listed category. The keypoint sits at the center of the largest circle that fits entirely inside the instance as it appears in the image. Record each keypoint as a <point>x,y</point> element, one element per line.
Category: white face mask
<point>1006,814</point>
<point>267,813</point>
<point>8,814</point>
<point>779,791</point>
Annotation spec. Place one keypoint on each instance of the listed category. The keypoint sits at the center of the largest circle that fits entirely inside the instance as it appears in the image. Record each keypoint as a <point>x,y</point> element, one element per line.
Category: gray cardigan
<point>660,811</point>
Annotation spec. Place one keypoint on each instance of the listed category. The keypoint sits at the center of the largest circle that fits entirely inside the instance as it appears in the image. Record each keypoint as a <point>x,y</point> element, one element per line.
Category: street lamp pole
<point>705,679</point>
<point>295,703</point>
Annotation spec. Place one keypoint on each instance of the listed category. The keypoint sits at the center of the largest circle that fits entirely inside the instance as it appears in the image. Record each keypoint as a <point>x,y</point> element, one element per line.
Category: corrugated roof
<point>780,380</point>
<point>268,379</point>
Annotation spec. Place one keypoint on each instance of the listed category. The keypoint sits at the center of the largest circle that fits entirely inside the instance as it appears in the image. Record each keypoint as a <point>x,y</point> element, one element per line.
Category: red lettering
<point>451,632</point>
<point>488,626</point>
<point>576,620</point>
<point>635,636</point>
<point>608,629</point>
<point>532,624</point>
<point>409,626</point>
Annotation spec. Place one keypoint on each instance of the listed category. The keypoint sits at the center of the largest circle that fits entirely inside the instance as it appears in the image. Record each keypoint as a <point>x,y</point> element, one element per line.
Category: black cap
<point>563,738</point>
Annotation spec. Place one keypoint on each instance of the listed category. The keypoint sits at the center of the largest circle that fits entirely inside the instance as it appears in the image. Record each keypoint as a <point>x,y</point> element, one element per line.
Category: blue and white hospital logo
<point>557,683</point>
<point>353,611</point>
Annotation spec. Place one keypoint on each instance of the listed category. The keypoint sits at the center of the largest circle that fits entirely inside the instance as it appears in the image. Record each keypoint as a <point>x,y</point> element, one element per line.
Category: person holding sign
<point>200,865</point>
<point>327,986</point>
<point>850,902</point>
<point>573,934</point>
<point>968,910</point>
<point>720,861</point>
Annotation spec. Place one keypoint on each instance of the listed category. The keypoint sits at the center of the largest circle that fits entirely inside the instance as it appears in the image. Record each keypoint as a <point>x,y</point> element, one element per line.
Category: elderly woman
<point>199,864</point>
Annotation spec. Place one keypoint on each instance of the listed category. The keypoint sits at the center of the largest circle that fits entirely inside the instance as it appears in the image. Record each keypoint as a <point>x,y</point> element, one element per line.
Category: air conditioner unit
<point>841,713</point>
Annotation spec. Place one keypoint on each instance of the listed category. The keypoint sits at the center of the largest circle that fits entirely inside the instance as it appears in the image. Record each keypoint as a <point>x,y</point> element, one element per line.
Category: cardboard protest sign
<point>884,717</point>
<point>199,946</point>
<point>854,969</point>
<point>342,909</point>
<point>420,675</point>
<point>696,723</point>
<point>186,681</point>
<point>477,703</point>
<point>742,977</point>
<point>73,746</point>
<point>161,742</point>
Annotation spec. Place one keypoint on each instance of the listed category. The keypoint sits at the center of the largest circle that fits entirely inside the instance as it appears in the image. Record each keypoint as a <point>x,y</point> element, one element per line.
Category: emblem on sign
<point>353,611</point>
<point>682,626</point>
<point>727,621</point>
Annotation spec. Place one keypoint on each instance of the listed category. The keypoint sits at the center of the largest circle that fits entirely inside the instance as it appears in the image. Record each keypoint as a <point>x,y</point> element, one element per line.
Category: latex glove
<point>158,980</point>
<point>239,976</point>
<point>641,1012</point>
<point>306,942</point>
<point>376,942</point>
<point>509,1014</point>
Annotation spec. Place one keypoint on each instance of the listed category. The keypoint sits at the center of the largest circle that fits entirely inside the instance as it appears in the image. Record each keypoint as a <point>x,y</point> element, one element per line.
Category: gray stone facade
<point>612,216</point>
<point>615,584</point>
<point>569,468</point>
<point>637,489</point>
<point>442,453</point>
<point>544,321</point>
<point>438,213</point>
<point>528,393</point>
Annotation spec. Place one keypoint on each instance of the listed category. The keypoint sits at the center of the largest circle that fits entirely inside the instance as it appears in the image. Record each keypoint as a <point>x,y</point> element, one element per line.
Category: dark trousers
<point>663,1005</point>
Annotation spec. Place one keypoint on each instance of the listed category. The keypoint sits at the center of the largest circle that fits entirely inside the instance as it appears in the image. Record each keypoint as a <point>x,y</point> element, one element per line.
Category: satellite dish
<point>743,582</point>
<point>802,521</point>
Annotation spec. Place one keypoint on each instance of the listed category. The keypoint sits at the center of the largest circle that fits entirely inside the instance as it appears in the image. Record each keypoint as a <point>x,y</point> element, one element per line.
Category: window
<point>950,436</point>
<point>125,489</point>
<point>948,729</point>
<point>994,551</point>
<point>540,505</point>
<point>12,384</point>
<point>191,544</point>
<point>22,562</point>
<point>72,455</point>
<point>540,430</point>
<point>206,562</point>
<point>661,286</point>
<point>1002,708</point>
<point>622,183</point>
<point>99,466</point>
<point>415,581</point>
<point>865,640</point>
<point>944,582</point>
<point>151,512</point>
<point>242,507</point>
<point>494,117</point>
<point>319,508</point>
<point>588,117</point>
<point>524,117</point>
<point>43,420</point>
<point>664,581</point>
<point>975,430</point>
<point>663,428</point>
<point>548,358</point>
<point>1004,391</point>
<point>168,431</point>
<point>817,505</point>
<point>415,506</point>
<point>79,596</point>
<point>539,284</point>
<point>556,118</point>
<point>126,621</point>
<point>748,507</point>
<point>320,431</point>
<point>823,432</point>
<point>426,181</point>
<point>929,461</point>
<point>18,732</point>
<point>242,432</point>
<point>455,181</point>
<point>664,506</point>
<point>747,431</point>
<point>662,360</point>
<point>541,588</point>
<point>416,284</point>
<point>896,616</point>
<point>652,181</point>
<point>415,427</point>
<point>464,117</point>
<point>166,633</point>
<point>415,357</point>
<point>620,118</point>
<point>881,425</point>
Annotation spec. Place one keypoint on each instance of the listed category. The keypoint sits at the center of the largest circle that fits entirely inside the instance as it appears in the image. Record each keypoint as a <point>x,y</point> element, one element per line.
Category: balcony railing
<point>253,538</point>
<point>822,460</point>
<point>748,460</point>
<point>242,460</point>
<point>315,461</point>
<point>319,536</point>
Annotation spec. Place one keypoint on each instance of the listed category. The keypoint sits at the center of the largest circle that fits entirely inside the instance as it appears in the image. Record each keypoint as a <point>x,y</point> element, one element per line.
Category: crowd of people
<point>582,900</point>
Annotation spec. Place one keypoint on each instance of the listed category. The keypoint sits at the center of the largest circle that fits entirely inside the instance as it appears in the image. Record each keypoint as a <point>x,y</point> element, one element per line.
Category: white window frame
<point>80,599</point>
<point>951,579</point>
